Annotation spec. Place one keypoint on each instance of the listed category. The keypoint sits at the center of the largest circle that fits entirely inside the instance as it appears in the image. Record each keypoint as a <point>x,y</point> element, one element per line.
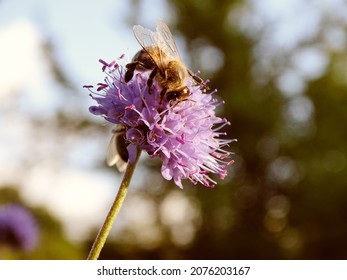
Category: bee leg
<point>162,93</point>
<point>130,71</point>
<point>198,79</point>
<point>150,78</point>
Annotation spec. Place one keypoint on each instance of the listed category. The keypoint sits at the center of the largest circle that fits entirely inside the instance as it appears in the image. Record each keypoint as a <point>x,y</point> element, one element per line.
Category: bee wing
<point>116,152</point>
<point>149,39</point>
<point>168,43</point>
<point>145,36</point>
<point>161,38</point>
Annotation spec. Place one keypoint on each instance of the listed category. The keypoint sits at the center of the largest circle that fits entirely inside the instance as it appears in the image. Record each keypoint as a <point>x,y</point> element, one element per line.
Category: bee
<point>159,54</point>
<point>117,153</point>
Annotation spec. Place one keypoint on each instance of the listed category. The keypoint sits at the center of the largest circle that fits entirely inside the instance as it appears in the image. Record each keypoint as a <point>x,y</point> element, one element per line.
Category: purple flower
<point>18,228</point>
<point>184,134</point>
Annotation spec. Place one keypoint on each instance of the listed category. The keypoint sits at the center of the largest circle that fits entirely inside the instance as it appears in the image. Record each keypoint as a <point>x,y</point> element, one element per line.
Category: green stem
<point>112,214</point>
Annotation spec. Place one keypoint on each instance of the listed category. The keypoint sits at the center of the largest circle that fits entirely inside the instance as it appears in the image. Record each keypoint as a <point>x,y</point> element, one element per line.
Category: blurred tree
<point>287,194</point>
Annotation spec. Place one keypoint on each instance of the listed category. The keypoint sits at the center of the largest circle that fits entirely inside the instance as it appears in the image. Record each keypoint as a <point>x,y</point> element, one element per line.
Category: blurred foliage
<point>52,244</point>
<point>287,195</point>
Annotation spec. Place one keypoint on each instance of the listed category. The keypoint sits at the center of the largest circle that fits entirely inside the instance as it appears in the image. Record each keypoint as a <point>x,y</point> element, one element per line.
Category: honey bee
<point>117,153</point>
<point>159,54</point>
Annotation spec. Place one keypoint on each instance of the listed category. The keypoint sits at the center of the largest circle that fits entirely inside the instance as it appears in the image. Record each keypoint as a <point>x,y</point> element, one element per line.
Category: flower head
<point>184,134</point>
<point>17,228</point>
